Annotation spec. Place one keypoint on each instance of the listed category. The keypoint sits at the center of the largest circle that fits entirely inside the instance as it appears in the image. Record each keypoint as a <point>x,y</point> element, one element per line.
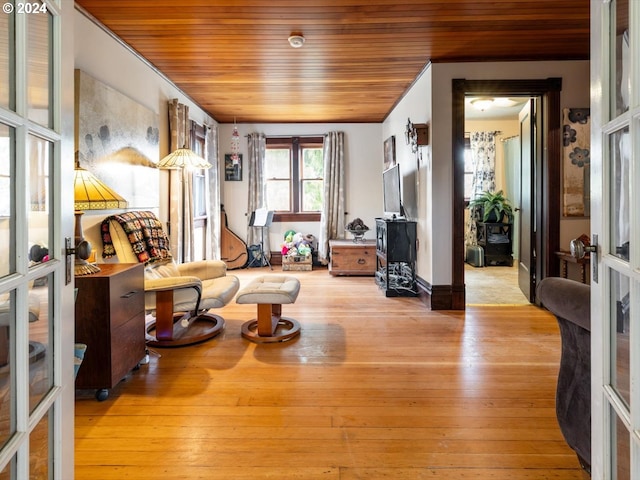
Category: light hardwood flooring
<point>374,388</point>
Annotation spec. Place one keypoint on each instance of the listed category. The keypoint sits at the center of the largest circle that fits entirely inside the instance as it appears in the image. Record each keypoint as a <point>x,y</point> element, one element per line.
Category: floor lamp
<point>185,160</point>
<point>89,193</point>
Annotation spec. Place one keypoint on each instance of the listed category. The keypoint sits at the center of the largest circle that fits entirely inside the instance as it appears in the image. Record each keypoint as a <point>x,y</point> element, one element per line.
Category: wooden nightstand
<point>350,258</point>
<point>110,321</point>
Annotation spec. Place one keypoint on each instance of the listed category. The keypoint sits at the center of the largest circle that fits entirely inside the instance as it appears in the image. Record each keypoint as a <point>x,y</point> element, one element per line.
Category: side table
<point>110,321</point>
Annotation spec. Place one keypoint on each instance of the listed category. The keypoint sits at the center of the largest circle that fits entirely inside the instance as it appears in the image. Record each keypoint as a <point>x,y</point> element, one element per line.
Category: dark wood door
<point>526,204</point>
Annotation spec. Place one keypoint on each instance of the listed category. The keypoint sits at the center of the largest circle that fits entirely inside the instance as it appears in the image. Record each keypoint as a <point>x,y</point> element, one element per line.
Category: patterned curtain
<point>332,219</point>
<point>257,188</point>
<point>212,194</point>
<point>483,154</point>
<point>180,187</point>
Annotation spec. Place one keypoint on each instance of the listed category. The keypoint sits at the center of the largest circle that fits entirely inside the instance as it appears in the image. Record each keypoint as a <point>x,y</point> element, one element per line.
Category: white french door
<point>615,207</point>
<point>36,299</point>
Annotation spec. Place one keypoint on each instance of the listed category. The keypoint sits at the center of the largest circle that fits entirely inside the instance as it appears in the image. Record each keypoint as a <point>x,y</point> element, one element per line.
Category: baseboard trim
<point>440,297</point>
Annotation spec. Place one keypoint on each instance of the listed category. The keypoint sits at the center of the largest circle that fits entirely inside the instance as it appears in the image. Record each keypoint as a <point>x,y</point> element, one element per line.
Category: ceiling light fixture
<point>296,40</point>
<point>482,103</point>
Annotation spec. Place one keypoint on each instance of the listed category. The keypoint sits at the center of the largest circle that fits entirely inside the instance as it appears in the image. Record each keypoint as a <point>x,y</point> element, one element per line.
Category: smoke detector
<point>296,40</point>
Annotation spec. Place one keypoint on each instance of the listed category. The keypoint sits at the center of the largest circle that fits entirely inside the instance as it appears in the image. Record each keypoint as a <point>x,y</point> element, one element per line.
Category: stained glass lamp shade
<point>90,194</point>
<point>183,158</point>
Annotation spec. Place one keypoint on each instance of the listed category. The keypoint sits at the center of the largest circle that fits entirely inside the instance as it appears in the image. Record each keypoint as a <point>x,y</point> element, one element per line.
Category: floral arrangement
<point>295,243</point>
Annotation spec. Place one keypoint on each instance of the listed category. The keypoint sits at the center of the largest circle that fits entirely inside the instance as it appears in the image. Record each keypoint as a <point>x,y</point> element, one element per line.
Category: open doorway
<point>545,211</point>
<point>493,163</point>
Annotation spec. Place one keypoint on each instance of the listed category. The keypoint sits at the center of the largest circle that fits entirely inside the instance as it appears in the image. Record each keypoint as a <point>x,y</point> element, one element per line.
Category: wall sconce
<point>416,135</point>
<point>89,193</point>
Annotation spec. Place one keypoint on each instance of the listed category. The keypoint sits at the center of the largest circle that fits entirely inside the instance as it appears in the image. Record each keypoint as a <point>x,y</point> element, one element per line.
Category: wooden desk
<point>583,262</point>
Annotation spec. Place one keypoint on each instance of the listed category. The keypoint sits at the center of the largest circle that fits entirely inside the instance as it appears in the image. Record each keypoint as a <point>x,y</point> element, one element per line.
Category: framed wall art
<point>576,162</point>
<point>389,152</point>
<point>232,170</point>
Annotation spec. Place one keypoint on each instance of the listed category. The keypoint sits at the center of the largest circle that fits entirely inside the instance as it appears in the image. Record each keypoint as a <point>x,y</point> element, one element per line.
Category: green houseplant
<point>491,207</point>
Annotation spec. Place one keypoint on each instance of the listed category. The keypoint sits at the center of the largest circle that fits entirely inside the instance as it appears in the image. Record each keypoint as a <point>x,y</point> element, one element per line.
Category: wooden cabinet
<point>351,258</point>
<point>396,249</point>
<point>110,321</point>
<point>495,239</point>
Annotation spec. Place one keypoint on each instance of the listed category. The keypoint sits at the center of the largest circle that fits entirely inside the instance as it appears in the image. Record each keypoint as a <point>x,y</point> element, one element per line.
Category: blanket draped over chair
<point>145,233</point>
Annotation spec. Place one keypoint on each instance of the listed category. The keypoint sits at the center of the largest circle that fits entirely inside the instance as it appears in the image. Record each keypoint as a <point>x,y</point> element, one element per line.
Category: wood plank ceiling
<point>360,56</point>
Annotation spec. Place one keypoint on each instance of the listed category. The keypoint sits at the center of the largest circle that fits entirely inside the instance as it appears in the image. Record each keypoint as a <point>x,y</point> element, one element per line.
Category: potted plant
<point>492,207</point>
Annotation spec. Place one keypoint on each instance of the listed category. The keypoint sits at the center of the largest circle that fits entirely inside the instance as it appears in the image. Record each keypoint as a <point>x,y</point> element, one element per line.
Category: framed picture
<point>232,171</point>
<point>389,152</point>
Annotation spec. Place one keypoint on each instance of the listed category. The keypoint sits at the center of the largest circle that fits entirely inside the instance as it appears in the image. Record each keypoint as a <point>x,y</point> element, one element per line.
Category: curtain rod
<point>496,132</point>
<point>294,136</point>
<point>509,138</point>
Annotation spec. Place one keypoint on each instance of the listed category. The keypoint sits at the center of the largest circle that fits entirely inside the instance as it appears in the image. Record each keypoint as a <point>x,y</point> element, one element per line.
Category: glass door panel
<point>7,67</point>
<point>7,365</point>
<point>621,454</point>
<point>619,154</point>
<point>7,154</point>
<point>40,153</point>
<point>621,58</point>
<point>621,311</point>
<point>41,295</point>
<point>39,77</point>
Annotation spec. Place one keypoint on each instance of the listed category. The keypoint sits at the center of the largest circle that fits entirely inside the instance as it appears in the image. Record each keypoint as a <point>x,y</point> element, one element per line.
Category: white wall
<point>363,152</point>
<point>104,58</point>
<point>416,106</point>
<point>430,100</point>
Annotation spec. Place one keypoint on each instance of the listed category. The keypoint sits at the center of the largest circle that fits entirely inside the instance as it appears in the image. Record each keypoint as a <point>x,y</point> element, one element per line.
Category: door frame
<point>547,182</point>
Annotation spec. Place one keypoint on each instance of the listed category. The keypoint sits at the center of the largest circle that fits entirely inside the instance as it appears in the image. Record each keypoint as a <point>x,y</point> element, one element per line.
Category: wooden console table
<point>566,257</point>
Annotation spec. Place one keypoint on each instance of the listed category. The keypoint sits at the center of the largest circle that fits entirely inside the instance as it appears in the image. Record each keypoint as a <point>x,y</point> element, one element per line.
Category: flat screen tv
<point>391,192</point>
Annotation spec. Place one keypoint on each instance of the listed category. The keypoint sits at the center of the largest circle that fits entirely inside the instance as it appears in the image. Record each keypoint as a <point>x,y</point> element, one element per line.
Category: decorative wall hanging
<point>389,152</point>
<point>576,162</point>
<point>117,141</point>
<point>233,167</point>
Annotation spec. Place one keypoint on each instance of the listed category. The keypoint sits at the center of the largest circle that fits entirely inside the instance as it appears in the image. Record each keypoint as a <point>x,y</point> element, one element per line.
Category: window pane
<point>621,72</point>
<point>619,152</point>
<point>312,163</point>
<point>7,64</point>
<point>312,195</point>
<point>277,163</point>
<point>7,192</point>
<point>40,154</point>
<point>40,339</point>
<point>278,198</point>
<point>39,66</point>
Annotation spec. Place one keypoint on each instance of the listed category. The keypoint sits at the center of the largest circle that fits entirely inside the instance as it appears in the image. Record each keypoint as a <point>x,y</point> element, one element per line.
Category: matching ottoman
<point>270,292</point>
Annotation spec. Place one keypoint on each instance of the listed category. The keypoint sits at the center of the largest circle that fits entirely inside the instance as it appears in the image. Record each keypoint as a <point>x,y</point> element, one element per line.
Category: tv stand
<point>396,257</point>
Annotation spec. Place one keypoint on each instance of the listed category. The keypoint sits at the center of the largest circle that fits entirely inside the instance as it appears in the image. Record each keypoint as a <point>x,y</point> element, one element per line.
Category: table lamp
<point>89,193</point>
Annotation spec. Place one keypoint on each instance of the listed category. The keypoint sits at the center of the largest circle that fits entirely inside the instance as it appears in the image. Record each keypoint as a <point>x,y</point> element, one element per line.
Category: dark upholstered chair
<point>570,302</point>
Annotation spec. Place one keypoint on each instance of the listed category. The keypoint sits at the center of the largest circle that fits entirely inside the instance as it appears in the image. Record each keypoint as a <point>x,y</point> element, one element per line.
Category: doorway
<point>493,144</point>
<point>546,182</point>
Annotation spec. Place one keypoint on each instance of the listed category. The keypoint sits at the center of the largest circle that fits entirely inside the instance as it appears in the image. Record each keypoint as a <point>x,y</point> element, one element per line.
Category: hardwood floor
<point>374,388</point>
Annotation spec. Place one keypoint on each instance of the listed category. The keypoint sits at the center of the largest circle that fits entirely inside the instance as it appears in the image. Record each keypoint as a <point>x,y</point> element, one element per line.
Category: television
<point>391,193</point>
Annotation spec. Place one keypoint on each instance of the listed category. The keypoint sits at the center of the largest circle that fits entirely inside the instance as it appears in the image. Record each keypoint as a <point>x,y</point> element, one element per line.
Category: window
<point>199,194</point>
<point>468,169</point>
<point>294,172</point>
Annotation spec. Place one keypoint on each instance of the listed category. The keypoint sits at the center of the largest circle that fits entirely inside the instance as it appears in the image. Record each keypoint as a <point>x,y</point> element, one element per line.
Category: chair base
<point>199,329</point>
<point>285,329</point>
